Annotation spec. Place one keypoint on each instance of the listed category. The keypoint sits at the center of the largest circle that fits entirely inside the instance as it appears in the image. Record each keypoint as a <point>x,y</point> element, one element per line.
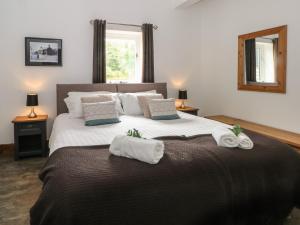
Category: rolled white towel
<point>245,142</point>
<point>149,151</point>
<point>225,137</point>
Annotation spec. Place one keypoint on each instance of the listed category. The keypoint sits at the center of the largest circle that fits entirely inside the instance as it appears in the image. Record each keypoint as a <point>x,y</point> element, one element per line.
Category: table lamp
<point>182,96</point>
<point>32,100</point>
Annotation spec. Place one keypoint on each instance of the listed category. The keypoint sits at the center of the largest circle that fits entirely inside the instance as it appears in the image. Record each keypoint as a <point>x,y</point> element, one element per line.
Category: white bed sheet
<point>70,132</point>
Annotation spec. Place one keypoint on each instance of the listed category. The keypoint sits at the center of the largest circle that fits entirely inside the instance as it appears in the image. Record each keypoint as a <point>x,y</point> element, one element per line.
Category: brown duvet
<point>196,183</point>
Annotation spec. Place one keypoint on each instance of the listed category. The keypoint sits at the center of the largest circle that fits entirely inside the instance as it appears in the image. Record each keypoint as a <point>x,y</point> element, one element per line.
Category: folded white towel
<point>225,137</point>
<point>149,151</point>
<point>245,142</point>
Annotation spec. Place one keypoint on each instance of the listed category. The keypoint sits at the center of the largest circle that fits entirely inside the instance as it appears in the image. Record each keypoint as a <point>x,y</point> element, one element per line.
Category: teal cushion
<point>102,122</point>
<point>166,117</point>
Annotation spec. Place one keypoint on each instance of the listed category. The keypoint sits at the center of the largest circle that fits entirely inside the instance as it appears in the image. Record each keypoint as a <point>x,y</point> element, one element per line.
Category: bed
<point>196,182</point>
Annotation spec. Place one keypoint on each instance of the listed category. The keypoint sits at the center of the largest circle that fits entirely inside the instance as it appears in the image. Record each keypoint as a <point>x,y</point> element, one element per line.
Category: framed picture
<point>43,52</point>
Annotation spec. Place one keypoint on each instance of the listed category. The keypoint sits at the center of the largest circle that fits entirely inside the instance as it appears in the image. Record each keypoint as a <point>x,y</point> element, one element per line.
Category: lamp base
<point>32,114</point>
<point>182,105</point>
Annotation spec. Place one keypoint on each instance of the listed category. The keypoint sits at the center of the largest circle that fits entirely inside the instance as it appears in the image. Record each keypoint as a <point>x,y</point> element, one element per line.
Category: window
<point>123,56</point>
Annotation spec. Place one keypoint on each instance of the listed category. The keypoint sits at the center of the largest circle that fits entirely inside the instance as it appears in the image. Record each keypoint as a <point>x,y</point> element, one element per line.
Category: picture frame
<point>43,51</point>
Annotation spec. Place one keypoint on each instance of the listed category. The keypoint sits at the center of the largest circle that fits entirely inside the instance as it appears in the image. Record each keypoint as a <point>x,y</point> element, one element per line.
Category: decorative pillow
<point>131,104</point>
<point>99,98</point>
<point>163,109</point>
<point>143,102</point>
<point>100,113</point>
<point>73,102</point>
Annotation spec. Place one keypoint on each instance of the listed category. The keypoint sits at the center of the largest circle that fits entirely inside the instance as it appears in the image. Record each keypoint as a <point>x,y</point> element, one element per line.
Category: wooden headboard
<point>62,90</point>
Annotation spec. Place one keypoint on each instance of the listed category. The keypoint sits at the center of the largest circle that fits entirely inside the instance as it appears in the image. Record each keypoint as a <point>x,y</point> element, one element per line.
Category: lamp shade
<point>32,100</point>
<point>182,94</point>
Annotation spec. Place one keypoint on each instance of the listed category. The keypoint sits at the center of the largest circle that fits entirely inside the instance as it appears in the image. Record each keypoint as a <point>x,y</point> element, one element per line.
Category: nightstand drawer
<point>32,131</point>
<point>29,126</point>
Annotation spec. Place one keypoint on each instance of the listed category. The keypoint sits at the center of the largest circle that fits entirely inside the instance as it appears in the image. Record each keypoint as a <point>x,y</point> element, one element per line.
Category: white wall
<point>194,49</point>
<point>221,23</point>
<point>69,20</point>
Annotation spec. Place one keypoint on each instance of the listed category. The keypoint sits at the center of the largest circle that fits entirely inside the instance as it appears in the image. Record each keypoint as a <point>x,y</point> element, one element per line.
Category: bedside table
<point>30,136</point>
<point>189,110</point>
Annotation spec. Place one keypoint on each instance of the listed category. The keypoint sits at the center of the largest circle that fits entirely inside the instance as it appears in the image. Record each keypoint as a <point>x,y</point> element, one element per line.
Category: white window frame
<point>137,37</point>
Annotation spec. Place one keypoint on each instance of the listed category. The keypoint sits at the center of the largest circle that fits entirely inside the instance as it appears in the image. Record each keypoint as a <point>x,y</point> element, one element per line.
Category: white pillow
<point>87,93</point>
<point>74,104</point>
<point>131,104</point>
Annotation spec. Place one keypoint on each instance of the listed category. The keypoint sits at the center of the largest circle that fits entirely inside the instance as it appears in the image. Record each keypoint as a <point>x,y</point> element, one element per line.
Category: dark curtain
<point>99,52</point>
<point>148,53</point>
<point>250,51</point>
<point>275,55</point>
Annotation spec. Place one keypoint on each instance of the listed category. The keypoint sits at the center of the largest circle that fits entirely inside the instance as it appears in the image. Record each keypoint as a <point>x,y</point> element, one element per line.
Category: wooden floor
<point>287,137</point>
<point>20,188</point>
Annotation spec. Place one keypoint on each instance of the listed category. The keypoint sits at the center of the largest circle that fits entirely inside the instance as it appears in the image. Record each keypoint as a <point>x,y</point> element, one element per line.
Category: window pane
<point>121,59</point>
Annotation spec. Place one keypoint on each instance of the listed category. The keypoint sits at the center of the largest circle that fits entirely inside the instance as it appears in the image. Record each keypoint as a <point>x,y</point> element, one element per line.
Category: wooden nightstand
<point>190,110</point>
<point>30,136</point>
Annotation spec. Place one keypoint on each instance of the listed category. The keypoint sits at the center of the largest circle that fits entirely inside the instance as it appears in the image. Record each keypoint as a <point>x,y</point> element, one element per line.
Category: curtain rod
<point>155,27</point>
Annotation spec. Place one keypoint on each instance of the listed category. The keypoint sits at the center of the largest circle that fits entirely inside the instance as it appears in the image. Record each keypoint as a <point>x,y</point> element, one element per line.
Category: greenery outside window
<point>123,56</point>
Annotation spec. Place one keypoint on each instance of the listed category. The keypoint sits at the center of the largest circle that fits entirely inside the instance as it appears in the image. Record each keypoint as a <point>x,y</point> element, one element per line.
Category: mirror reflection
<point>261,55</point>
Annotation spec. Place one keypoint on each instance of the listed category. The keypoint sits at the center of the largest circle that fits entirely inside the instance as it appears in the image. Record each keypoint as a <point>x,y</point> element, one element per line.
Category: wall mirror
<point>262,60</point>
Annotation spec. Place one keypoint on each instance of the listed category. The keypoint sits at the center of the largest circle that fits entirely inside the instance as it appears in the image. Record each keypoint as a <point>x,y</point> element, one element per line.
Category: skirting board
<point>9,148</point>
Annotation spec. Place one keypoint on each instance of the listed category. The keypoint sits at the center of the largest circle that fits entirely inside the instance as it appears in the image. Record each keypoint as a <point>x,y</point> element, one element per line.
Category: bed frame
<point>63,89</point>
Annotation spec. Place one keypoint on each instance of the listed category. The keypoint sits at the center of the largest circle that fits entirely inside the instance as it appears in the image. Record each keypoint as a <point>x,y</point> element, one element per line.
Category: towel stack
<point>149,151</point>
<point>226,138</point>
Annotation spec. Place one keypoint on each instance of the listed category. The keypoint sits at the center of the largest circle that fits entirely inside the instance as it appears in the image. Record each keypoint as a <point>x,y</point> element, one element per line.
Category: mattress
<point>68,131</point>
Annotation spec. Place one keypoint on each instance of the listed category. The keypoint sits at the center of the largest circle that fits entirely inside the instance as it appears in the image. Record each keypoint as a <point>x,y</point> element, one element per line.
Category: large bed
<point>196,182</point>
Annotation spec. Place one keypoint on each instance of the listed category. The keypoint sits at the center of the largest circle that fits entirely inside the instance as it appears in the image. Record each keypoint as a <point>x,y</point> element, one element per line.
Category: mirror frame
<point>280,86</point>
